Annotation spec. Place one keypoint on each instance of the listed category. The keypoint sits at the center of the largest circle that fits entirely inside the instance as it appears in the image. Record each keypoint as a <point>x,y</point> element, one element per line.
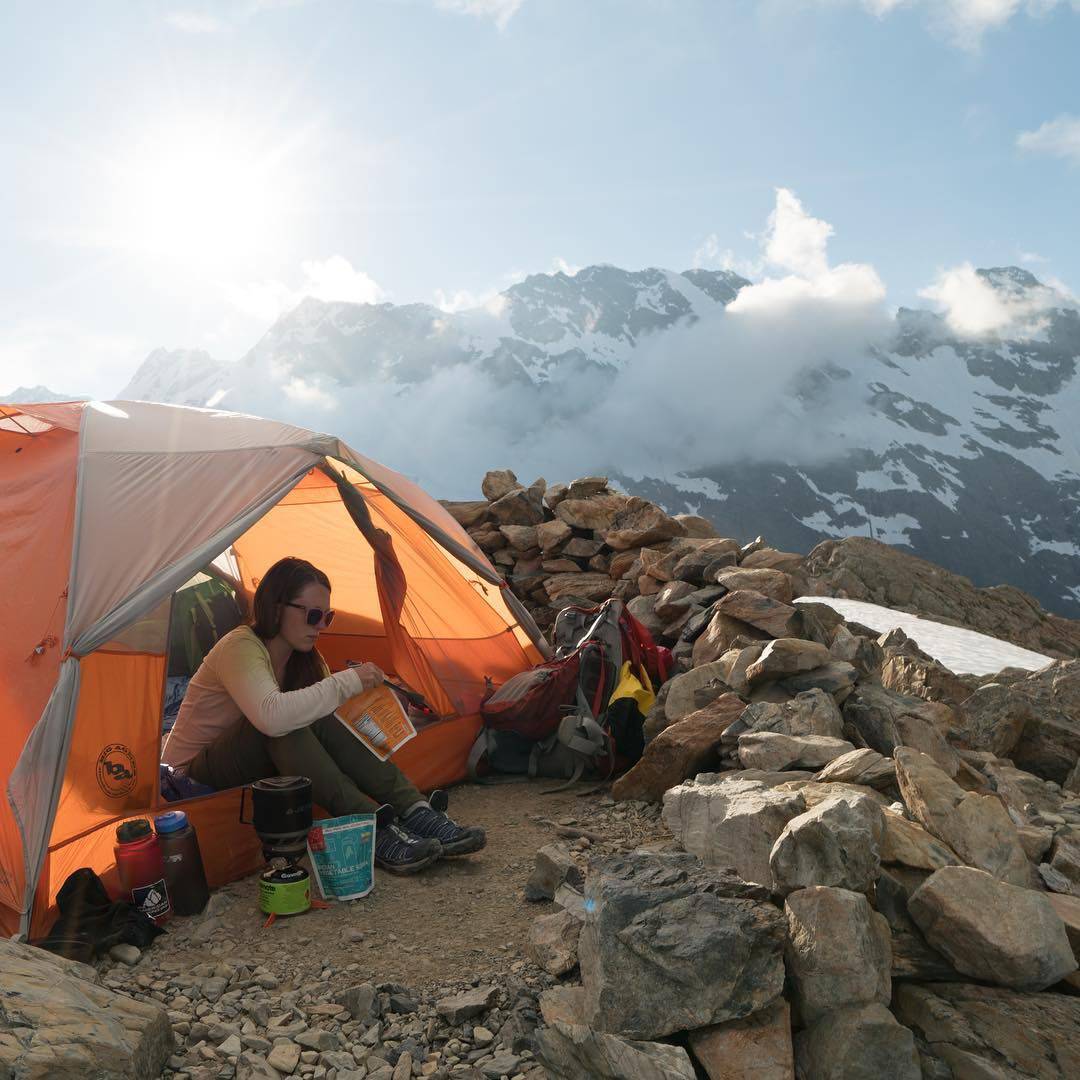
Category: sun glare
<point>198,190</point>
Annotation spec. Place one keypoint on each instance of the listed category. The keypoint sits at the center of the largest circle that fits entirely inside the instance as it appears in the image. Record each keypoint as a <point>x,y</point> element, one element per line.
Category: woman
<point>261,704</point>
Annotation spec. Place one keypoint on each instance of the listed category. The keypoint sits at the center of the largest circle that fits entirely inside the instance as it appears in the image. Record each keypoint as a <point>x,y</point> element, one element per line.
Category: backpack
<point>554,720</point>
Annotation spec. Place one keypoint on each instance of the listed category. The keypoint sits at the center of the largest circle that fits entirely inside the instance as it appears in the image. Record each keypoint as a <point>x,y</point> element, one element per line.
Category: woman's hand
<point>370,675</point>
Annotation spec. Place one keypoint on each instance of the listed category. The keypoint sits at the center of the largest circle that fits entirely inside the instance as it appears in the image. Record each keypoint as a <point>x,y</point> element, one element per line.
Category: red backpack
<point>552,719</point>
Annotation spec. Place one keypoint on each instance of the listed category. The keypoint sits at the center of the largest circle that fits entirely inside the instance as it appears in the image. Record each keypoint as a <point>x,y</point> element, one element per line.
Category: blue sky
<point>176,174</point>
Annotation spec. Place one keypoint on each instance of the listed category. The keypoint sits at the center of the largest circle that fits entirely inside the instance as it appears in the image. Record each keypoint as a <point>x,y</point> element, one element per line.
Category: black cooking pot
<point>281,815</point>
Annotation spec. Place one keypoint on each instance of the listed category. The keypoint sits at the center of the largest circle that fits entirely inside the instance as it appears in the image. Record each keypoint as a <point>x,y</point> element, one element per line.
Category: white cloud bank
<point>499,11</point>
<point>1059,138</point>
<point>330,280</point>
<point>975,308</point>
<point>734,385</point>
<point>964,22</point>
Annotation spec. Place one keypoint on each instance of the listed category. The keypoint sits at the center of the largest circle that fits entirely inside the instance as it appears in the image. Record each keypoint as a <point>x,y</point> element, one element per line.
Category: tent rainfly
<point>106,508</point>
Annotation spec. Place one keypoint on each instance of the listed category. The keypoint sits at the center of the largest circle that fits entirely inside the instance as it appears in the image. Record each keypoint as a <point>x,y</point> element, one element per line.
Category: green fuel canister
<point>285,891</point>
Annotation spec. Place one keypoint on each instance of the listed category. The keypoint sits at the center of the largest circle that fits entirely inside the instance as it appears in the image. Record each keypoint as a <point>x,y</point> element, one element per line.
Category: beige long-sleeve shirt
<point>237,679</point>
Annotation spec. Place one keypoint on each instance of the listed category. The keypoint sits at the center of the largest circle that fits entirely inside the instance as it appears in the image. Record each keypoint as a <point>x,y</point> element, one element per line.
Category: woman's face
<point>294,619</point>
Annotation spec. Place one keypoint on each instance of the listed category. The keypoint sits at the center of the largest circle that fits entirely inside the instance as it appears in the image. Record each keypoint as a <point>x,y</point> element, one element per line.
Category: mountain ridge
<point>954,448</point>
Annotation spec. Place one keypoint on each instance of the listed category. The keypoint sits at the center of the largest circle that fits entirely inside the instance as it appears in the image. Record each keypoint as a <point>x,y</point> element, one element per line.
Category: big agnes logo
<point>116,772</point>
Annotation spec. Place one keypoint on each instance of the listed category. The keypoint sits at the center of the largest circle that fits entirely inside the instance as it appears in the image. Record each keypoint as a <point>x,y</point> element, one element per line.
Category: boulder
<point>1025,795</point>
<point>770,559</point>
<point>864,766</point>
<point>861,1043</point>
<point>993,718</point>
<point>885,719</point>
<point>1050,744</point>
<point>988,1032</point>
<point>669,944</point>
<point>497,483</point>
<point>522,506</point>
<point>586,487</point>
<point>56,1022</point>
<point>836,843</point>
<point>681,750</point>
<point>839,951</point>
<point>786,656</point>
<point>811,713</point>
<point>1065,857</point>
<point>1035,840</point>
<point>1068,910</point>
<point>836,677</point>
<point>735,662</point>
<point>638,523</point>
<point>991,930</point>
<point>568,1049</point>
<point>555,494</point>
<point>550,534</point>
<point>697,527</point>
<point>520,537</point>
<point>772,583</point>
<point>596,513</point>
<point>671,601</point>
<point>757,610</point>
<point>976,827</point>
<point>558,566</point>
<point>908,844</point>
<point>774,751</point>
<point>553,942</point>
<point>467,514</point>
<point>643,608</point>
<point>755,1048</point>
<point>692,565</point>
<point>681,698</point>
<point>588,586</point>
<point>553,867</point>
<point>718,636</point>
<point>458,1008</point>
<point>580,548</point>
<point>923,678</point>
<point>733,822</point>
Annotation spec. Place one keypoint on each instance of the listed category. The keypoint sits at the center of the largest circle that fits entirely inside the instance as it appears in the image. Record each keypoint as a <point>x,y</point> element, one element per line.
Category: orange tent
<point>105,510</point>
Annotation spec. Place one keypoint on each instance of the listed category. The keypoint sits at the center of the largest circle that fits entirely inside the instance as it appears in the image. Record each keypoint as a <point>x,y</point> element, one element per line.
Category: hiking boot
<point>398,849</point>
<point>430,820</point>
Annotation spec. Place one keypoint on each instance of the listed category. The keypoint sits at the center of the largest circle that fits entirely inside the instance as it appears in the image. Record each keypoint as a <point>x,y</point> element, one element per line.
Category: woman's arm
<point>245,672</point>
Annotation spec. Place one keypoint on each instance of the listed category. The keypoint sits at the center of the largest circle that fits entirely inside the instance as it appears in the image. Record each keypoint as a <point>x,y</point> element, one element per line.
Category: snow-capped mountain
<point>37,395</point>
<point>964,451</point>
<point>539,330</point>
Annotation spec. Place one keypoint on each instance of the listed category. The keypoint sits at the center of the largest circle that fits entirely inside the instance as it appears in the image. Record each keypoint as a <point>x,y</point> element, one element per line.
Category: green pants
<point>346,777</point>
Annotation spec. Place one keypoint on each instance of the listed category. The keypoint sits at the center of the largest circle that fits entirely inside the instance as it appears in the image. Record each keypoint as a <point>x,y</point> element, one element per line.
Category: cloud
<point>499,11</point>
<point>229,16</point>
<point>974,307</point>
<point>730,386</point>
<point>964,22</point>
<point>196,22</point>
<point>1031,258</point>
<point>797,242</point>
<point>329,280</point>
<point>67,358</point>
<point>1059,138</point>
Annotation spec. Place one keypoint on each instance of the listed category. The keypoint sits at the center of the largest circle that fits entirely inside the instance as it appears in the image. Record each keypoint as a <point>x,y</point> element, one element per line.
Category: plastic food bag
<point>342,853</point>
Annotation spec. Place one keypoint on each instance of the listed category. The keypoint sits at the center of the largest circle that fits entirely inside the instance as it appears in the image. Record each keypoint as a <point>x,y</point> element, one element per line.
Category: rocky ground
<point>836,859</point>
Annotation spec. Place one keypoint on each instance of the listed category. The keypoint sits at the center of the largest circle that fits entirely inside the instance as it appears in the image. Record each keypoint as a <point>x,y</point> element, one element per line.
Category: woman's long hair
<point>281,584</point>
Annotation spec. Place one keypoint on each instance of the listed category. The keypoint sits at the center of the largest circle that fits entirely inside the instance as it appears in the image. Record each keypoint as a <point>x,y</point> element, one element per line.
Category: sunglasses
<point>314,615</point>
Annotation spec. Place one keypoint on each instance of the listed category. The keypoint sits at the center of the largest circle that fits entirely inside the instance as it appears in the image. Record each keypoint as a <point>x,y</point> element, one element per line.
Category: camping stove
<point>281,816</point>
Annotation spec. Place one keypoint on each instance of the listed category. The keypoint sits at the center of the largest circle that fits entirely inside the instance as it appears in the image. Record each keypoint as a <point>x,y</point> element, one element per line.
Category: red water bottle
<point>141,870</point>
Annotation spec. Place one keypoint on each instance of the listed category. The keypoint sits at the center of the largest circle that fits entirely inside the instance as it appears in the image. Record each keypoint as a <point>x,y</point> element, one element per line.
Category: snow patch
<point>966,652</point>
